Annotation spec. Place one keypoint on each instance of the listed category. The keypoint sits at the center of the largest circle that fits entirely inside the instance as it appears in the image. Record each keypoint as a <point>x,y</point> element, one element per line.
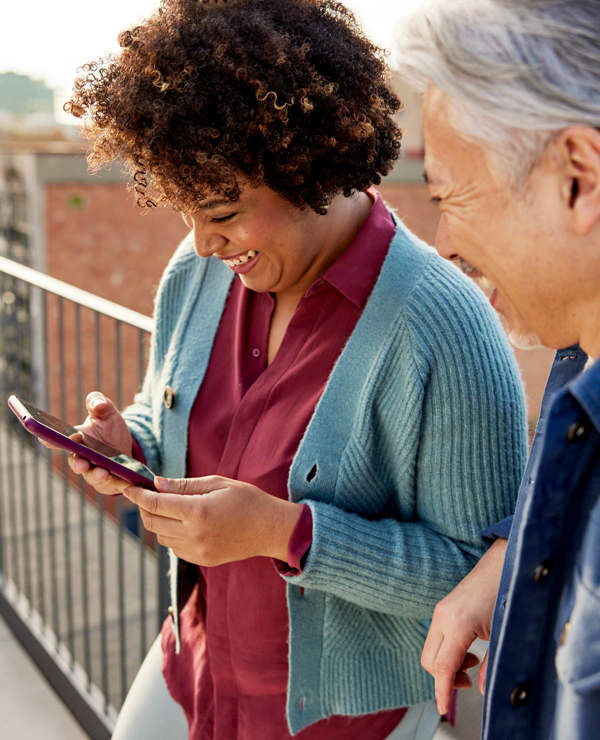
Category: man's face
<point>509,236</point>
<point>518,333</point>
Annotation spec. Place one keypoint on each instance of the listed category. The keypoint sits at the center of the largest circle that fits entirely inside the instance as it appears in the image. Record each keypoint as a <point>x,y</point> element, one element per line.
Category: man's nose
<point>207,243</point>
<point>443,243</point>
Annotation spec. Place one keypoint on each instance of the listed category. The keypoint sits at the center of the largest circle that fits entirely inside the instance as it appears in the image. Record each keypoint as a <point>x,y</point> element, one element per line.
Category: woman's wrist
<point>284,520</point>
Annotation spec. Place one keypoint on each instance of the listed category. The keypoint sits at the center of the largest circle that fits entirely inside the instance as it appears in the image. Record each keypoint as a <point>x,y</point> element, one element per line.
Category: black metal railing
<point>81,584</point>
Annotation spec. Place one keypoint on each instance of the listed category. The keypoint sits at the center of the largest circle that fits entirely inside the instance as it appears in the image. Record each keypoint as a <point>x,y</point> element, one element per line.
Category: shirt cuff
<point>497,531</point>
<point>298,546</point>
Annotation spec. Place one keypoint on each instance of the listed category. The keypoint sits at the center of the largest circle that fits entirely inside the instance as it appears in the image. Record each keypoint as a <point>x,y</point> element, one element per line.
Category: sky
<point>50,40</point>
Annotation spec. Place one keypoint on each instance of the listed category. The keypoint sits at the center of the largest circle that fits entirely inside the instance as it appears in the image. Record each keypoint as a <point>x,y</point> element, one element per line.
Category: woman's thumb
<point>98,405</point>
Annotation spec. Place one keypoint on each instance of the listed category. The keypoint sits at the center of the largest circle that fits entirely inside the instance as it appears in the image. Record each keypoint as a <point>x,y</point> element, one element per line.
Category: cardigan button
<point>521,694</point>
<point>169,397</point>
<point>576,432</point>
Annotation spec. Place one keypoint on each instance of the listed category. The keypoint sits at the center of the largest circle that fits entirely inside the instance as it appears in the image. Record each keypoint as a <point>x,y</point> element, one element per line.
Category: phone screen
<point>83,441</point>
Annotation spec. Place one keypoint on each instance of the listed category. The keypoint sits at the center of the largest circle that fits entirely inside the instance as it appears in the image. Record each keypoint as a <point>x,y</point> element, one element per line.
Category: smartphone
<point>58,433</point>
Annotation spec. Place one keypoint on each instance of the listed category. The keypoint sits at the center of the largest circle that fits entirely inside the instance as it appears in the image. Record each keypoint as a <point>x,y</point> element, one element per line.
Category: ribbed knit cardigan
<point>417,444</point>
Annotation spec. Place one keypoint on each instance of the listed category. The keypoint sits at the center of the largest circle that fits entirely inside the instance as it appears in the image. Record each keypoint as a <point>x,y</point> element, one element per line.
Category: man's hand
<point>458,619</point>
<point>215,520</point>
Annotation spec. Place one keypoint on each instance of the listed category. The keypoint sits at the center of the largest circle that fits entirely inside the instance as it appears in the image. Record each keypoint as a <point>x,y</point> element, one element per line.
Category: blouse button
<point>169,397</point>
<point>256,352</point>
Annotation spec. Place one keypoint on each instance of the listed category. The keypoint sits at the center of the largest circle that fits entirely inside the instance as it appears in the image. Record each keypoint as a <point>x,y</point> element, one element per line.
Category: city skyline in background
<point>50,43</point>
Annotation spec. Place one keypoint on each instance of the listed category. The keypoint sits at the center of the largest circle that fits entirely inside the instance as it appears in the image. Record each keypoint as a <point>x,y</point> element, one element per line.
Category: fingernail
<point>159,481</point>
<point>97,401</point>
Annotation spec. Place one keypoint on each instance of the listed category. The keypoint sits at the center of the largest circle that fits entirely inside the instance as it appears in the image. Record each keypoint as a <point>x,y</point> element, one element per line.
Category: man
<point>511,122</point>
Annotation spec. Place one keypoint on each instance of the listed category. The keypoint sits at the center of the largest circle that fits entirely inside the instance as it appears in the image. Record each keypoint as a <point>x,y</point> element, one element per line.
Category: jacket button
<point>576,432</point>
<point>169,397</point>
<point>521,694</point>
<point>542,571</point>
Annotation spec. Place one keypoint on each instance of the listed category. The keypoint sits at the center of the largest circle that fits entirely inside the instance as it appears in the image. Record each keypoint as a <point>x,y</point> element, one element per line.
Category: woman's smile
<point>242,263</point>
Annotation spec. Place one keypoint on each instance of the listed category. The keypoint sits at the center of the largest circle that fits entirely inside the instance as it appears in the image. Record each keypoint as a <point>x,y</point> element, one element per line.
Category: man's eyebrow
<point>214,202</point>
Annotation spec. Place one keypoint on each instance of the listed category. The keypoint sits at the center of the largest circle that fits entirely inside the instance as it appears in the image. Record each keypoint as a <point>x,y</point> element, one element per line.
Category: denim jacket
<point>544,663</point>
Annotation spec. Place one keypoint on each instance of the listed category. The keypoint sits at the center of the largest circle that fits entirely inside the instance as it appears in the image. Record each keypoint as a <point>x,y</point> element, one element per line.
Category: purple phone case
<point>54,437</point>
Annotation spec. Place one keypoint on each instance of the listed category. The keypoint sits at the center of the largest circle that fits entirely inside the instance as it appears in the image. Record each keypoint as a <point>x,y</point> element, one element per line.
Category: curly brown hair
<point>204,93</point>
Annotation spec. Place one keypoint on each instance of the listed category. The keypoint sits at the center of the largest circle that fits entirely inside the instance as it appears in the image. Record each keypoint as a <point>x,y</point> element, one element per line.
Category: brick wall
<point>99,240</point>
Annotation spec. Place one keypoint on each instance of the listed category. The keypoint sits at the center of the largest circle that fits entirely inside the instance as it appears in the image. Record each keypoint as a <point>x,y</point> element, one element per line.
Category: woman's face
<point>271,244</point>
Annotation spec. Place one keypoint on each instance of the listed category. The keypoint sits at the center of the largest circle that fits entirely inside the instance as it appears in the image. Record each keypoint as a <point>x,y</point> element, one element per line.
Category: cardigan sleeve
<point>442,440</point>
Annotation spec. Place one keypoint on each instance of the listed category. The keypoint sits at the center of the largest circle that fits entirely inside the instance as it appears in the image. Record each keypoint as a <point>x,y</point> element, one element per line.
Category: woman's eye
<point>436,200</point>
<point>222,219</point>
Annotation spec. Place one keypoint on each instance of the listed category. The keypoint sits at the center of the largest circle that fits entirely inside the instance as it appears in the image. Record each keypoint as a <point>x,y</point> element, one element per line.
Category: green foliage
<point>22,95</point>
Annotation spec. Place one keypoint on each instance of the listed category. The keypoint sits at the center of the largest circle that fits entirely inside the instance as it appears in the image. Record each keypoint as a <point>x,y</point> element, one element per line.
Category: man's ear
<point>578,148</point>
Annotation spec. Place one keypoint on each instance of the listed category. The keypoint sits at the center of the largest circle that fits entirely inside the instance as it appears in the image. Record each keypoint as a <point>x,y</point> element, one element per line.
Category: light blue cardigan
<point>417,444</point>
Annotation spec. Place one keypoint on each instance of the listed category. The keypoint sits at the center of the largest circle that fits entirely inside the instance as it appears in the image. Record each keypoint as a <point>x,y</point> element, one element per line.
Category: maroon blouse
<point>246,423</point>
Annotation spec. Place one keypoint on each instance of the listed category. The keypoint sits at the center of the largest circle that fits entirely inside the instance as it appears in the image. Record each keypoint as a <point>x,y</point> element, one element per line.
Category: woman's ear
<point>578,148</point>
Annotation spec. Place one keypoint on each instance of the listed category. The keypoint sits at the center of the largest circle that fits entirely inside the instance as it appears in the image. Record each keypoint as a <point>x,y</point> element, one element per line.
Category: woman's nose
<point>207,244</point>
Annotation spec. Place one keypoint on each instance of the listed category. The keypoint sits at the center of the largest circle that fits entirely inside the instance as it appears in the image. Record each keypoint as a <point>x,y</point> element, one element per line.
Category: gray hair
<point>516,72</point>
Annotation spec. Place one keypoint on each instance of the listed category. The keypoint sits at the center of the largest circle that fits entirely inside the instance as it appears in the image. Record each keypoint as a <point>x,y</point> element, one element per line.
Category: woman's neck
<point>335,231</point>
<point>345,218</point>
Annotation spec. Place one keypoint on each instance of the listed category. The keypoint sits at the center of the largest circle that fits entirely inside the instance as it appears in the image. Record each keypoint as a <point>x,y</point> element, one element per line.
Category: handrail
<point>77,295</point>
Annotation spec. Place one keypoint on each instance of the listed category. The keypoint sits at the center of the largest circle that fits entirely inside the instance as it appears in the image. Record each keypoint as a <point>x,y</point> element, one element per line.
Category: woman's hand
<point>105,423</point>
<point>215,520</point>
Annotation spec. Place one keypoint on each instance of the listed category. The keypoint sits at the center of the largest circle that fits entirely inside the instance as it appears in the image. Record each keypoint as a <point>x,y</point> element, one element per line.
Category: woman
<point>324,395</point>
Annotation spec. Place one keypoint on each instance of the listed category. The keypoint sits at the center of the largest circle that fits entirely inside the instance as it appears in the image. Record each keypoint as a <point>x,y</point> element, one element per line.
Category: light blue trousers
<point>150,713</point>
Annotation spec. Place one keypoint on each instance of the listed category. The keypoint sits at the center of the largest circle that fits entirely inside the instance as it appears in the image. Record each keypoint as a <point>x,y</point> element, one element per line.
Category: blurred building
<point>410,119</point>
